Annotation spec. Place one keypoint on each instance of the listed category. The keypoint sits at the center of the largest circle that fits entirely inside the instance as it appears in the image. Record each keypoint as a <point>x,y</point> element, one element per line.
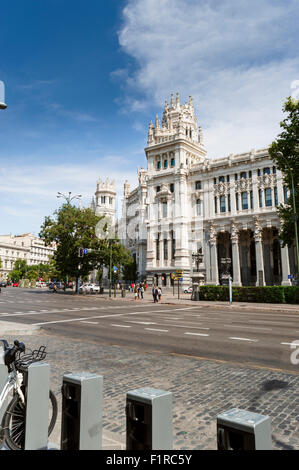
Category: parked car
<point>15,284</point>
<point>89,288</point>
<point>3,284</point>
<point>188,290</point>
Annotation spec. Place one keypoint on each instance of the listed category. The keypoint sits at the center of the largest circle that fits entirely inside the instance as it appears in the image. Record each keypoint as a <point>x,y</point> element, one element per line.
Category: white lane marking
<point>121,326</point>
<point>249,327</point>
<point>91,322</point>
<point>156,329</point>
<point>272,323</point>
<point>244,339</point>
<point>188,326</point>
<point>141,322</point>
<point>288,344</point>
<point>91,318</point>
<point>196,334</point>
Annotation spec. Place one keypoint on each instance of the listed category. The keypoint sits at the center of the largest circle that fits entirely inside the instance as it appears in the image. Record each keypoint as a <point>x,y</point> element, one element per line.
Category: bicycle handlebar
<point>10,352</point>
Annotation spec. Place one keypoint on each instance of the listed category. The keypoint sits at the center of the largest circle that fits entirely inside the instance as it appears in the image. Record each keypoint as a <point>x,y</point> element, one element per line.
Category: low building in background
<point>25,247</point>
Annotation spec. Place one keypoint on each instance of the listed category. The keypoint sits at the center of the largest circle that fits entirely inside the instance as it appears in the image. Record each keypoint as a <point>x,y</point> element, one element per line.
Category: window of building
<point>158,248</point>
<point>110,201</point>
<point>285,193</point>
<point>198,185</point>
<point>268,197</point>
<point>171,187</point>
<point>250,174</point>
<point>172,162</point>
<point>215,180</point>
<point>159,165</point>
<point>251,200</point>
<point>215,205</point>
<point>103,199</point>
<point>237,201</point>
<point>260,198</point>
<point>222,204</point>
<point>165,164</point>
<point>221,179</point>
<point>165,244</point>
<point>274,170</point>
<point>164,209</point>
<point>158,189</point>
<point>228,203</point>
<point>173,245</point>
<point>227,178</point>
<point>275,196</point>
<point>244,197</point>
<point>236,176</point>
<point>198,207</point>
<point>258,172</point>
<point>266,171</point>
<point>243,175</point>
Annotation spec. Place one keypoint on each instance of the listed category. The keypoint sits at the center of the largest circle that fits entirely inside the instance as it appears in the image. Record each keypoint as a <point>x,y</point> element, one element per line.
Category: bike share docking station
<point>82,404</point>
<point>149,419</point>
<point>243,430</point>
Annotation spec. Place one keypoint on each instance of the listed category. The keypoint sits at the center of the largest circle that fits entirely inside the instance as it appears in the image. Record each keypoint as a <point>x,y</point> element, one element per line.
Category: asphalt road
<point>260,338</point>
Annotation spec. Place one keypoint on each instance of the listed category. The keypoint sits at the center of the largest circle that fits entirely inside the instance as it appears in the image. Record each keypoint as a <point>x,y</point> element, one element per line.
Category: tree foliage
<point>73,228</point>
<point>287,143</point>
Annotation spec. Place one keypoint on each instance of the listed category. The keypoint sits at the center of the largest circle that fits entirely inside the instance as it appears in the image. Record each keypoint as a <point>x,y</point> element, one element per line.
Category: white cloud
<point>28,193</point>
<point>237,58</point>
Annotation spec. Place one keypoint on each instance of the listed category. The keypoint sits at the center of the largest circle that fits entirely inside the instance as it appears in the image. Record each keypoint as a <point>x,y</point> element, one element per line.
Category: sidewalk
<point>185,299</point>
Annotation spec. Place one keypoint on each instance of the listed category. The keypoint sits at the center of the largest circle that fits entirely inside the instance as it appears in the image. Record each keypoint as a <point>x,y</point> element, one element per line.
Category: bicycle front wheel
<point>14,421</point>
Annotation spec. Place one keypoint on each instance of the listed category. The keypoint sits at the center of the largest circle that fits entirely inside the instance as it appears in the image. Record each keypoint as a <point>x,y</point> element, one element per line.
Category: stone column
<point>214,257</point>
<point>285,266</point>
<point>162,262</point>
<point>236,256</point>
<point>258,236</point>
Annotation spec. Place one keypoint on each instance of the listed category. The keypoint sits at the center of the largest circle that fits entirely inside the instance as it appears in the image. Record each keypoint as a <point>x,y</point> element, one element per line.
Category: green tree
<point>284,151</point>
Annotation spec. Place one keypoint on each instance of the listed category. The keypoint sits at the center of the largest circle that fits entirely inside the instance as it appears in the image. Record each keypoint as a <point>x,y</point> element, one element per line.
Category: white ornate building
<point>186,203</point>
<point>25,247</point>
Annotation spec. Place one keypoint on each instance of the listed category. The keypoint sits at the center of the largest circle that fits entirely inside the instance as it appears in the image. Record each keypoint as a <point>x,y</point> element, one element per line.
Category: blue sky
<point>84,78</point>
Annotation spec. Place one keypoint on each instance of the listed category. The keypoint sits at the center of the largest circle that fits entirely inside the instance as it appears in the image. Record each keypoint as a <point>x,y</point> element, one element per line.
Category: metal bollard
<point>3,377</point>
<point>243,430</point>
<point>149,419</point>
<point>82,404</point>
<point>37,406</point>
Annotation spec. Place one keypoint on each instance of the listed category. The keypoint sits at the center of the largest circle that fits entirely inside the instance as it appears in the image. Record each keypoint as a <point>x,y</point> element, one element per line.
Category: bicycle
<point>12,428</point>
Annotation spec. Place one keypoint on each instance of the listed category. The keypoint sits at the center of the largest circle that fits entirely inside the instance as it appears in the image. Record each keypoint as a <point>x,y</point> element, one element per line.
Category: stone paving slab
<point>10,328</point>
<point>201,390</point>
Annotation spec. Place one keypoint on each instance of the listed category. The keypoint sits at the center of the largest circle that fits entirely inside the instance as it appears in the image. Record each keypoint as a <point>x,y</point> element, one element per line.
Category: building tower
<point>105,199</point>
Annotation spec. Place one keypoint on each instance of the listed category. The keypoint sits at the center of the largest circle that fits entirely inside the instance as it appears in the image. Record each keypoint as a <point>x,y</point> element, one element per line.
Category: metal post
<point>243,430</point>
<point>230,289</point>
<point>110,276</point>
<point>295,222</point>
<point>82,405</point>
<point>37,406</point>
<point>3,377</point>
<point>149,419</point>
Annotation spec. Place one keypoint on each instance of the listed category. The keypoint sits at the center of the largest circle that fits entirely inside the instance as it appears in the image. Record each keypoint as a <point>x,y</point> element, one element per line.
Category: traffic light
<point>81,252</point>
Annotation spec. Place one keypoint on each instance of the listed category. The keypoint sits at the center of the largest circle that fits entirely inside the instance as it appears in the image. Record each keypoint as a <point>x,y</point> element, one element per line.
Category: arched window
<point>222,204</point>
<point>172,162</point>
<point>266,171</point>
<point>159,165</point>
<point>165,164</point>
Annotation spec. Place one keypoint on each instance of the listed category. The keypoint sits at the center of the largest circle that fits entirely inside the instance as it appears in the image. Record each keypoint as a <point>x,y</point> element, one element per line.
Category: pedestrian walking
<point>160,294</point>
<point>141,291</point>
<point>155,294</point>
<point>136,293</point>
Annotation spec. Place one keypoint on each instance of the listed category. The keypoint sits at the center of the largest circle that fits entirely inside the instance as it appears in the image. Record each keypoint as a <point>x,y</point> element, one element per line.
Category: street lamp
<point>2,93</point>
<point>295,215</point>
<point>69,198</point>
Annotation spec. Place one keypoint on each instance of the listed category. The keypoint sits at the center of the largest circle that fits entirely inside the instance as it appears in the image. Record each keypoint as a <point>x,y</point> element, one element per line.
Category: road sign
<point>85,251</point>
<point>181,279</point>
<point>290,276</point>
<point>114,269</point>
